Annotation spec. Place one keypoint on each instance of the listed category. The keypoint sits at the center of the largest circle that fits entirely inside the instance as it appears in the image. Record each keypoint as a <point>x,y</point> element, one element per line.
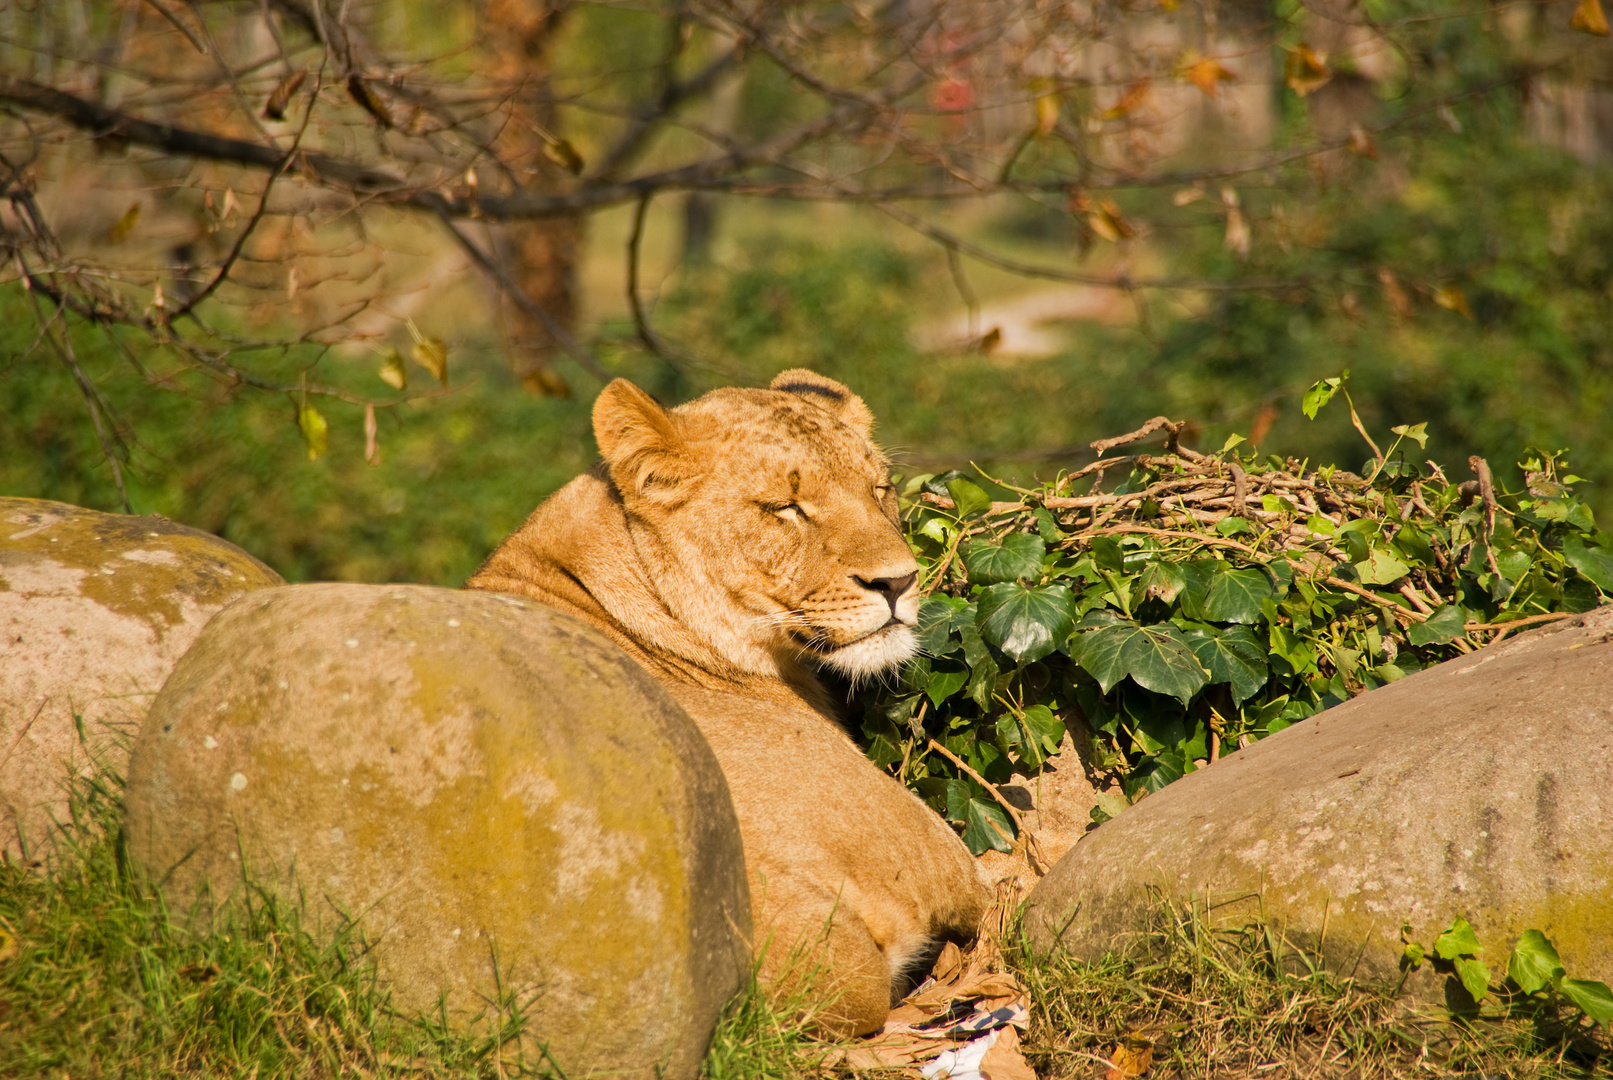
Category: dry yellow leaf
<point>371,102</point>
<point>1135,95</point>
<point>1108,222</point>
<point>1048,107</point>
<point>315,431</point>
<point>1450,298</point>
<point>121,229</point>
<point>372,452</point>
<point>565,155</point>
<point>432,354</point>
<point>1589,18</point>
<point>1306,70</point>
<point>544,382</point>
<point>1205,73</point>
<point>1133,1056</point>
<point>392,370</point>
<point>275,108</point>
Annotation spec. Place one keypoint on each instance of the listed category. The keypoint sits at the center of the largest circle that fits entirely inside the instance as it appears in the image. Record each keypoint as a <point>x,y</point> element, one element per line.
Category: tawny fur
<point>732,545</point>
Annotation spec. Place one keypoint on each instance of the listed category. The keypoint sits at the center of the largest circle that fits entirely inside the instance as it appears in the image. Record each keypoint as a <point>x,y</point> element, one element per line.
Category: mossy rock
<point>95,609</point>
<point>1480,788</point>
<point>469,776</point>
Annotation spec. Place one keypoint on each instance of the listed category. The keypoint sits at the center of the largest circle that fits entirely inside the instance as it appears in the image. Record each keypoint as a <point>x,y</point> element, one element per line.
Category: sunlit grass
<point>1196,1001</point>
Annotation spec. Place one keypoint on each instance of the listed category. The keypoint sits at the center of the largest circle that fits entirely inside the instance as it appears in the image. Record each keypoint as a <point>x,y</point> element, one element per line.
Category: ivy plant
<point>1169,606</point>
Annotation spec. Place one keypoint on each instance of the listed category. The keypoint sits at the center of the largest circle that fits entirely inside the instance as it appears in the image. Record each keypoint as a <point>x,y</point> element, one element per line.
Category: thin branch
<point>514,291</point>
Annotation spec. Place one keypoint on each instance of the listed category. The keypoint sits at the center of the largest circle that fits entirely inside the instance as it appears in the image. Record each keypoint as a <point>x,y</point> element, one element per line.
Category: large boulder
<point>94,611</point>
<point>1482,787</point>
<point>468,775</point>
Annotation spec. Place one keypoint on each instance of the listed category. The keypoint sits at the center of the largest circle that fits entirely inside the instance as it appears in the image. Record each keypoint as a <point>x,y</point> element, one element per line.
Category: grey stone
<point>95,609</point>
<point>464,774</point>
<point>1481,788</point>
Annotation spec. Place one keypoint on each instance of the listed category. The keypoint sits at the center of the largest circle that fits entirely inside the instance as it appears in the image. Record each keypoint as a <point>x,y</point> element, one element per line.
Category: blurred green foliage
<point>456,473</point>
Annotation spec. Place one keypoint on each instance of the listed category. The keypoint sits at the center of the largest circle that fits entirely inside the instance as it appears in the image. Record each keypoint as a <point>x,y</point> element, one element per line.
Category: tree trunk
<point>539,256</point>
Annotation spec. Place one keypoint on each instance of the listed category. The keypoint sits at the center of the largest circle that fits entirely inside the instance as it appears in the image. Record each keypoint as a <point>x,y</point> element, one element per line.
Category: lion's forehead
<point>764,438</point>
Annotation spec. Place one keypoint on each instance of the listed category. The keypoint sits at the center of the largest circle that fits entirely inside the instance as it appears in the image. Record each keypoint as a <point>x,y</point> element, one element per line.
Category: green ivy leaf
<point>1513,564</point>
<point>1160,580</point>
<point>1233,526</point>
<point>1156,657</point>
<point>1236,657</point>
<point>1534,963</point>
<point>1475,976</point>
<point>1236,596</point>
<point>1411,542</point>
<point>1200,575</point>
<point>1108,554</point>
<point>1594,999</point>
<point>1166,768</point>
<point>986,826</point>
<point>1595,563</point>
<point>967,498</point>
<point>959,792</point>
<point>943,683</point>
<point>1018,556</point>
<point>1380,568</point>
<point>1418,433</point>
<point>1025,623</point>
<point>1045,727</point>
<point>1320,394</point>
<point>1458,939</point>
<point>938,617</point>
<point>1445,624</point>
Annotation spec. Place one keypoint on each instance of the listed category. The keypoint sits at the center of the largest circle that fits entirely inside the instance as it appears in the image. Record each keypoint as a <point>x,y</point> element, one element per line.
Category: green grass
<point>99,979</point>
<point>1242,1002</point>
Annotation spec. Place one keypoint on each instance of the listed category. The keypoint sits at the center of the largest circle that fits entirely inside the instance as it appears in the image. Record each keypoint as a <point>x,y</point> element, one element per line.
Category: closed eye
<point>788,511</point>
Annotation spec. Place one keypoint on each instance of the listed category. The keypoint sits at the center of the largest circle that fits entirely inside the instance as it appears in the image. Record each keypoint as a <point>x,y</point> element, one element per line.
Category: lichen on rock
<point>475,779</point>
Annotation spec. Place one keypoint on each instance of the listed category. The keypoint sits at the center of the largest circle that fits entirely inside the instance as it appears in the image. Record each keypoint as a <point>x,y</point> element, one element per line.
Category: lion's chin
<point>875,654</point>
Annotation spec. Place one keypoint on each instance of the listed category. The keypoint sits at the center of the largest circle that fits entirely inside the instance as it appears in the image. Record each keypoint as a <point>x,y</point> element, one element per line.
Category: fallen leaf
<point>1133,1056</point>
<point>9,947</point>
<point>1306,71</point>
<point>1589,18</point>
<point>1004,1060</point>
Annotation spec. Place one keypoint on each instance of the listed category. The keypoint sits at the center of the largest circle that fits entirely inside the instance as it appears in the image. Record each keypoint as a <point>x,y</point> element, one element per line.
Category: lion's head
<point>765,522</point>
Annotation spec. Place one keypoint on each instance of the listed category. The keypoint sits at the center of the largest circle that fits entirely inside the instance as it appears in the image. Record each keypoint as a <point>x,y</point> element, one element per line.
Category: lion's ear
<point>826,394</point>
<point>638,440</point>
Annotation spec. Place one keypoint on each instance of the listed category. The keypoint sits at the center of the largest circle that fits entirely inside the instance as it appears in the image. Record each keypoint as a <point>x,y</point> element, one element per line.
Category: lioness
<point>732,545</point>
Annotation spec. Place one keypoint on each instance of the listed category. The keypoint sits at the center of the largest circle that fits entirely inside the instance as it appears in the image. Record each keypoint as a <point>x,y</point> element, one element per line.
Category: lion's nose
<point>891,588</point>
